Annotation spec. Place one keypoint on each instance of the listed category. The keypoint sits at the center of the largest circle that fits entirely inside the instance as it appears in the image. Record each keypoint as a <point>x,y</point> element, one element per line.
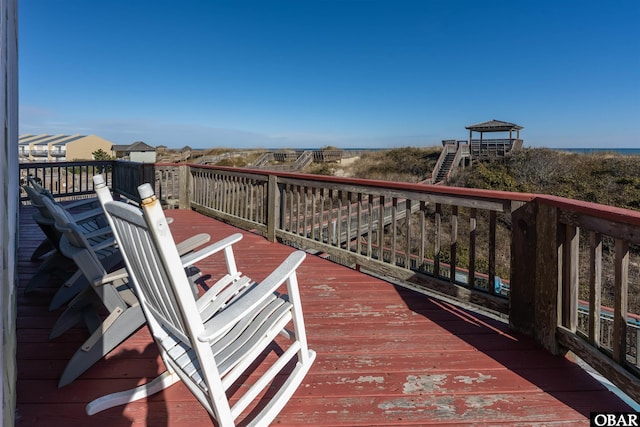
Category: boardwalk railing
<point>563,271</point>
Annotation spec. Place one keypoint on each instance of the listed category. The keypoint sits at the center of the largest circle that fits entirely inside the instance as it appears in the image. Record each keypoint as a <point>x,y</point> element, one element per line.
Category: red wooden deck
<point>386,356</point>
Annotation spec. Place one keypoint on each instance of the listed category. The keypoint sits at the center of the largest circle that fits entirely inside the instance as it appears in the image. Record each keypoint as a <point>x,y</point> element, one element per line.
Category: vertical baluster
<point>321,216</point>
<point>306,213</point>
<point>259,205</point>
<point>285,202</point>
<point>251,194</point>
<point>370,231</point>
<point>473,230</point>
<point>204,192</point>
<point>229,194</point>
<point>436,251</point>
<point>595,287</point>
<point>331,223</point>
<point>314,209</point>
<point>492,251</point>
<point>423,234</point>
<point>240,197</point>
<point>213,190</point>
<point>233,195</point>
<point>66,181</point>
<point>381,209</point>
<point>359,224</point>
<point>288,219</point>
<point>570,278</point>
<point>297,189</point>
<point>454,244</point>
<point>349,219</point>
<point>221,191</point>
<point>407,231</point>
<point>225,193</point>
<point>339,217</point>
<point>620,305</point>
<point>393,259</point>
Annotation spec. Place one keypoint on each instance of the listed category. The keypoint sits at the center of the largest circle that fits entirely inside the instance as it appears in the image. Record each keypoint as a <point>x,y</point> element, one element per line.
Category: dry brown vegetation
<point>608,179</point>
<point>604,178</point>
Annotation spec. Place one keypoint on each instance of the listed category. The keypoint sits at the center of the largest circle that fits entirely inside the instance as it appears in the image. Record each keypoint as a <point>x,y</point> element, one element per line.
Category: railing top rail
<point>611,213</point>
<point>402,186</point>
<point>31,165</point>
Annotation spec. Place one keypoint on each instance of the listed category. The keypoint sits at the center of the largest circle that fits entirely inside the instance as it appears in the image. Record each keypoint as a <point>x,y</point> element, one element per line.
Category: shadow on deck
<point>386,356</point>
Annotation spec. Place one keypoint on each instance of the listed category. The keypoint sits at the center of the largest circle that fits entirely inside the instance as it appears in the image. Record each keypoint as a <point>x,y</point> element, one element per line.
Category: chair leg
<point>72,287</point>
<point>54,265</point>
<point>78,282</point>
<point>108,336</point>
<point>74,313</point>
<point>116,399</point>
<point>277,402</point>
<point>44,248</point>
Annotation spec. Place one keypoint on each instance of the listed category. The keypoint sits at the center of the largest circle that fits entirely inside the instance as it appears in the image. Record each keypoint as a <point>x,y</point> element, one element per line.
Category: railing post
<point>534,273</point>
<point>148,173</point>
<point>185,187</point>
<point>522,280</point>
<point>273,207</point>
<point>115,179</point>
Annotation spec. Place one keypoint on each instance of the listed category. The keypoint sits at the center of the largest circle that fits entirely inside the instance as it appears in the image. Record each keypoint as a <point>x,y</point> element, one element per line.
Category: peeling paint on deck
<point>424,383</point>
<point>448,407</point>
<point>326,290</point>
<point>365,379</point>
<point>436,383</point>
<point>470,380</point>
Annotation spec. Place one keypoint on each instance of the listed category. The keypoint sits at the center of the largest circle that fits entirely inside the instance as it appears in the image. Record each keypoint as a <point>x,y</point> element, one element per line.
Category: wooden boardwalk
<point>386,356</point>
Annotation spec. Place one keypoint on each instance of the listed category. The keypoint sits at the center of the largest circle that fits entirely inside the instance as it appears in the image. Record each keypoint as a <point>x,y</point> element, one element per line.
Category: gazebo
<point>496,146</point>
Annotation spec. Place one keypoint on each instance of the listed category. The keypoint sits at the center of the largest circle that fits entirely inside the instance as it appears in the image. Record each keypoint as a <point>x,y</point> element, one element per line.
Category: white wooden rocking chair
<point>209,342</point>
<point>95,228</point>
<point>108,291</point>
<point>36,193</point>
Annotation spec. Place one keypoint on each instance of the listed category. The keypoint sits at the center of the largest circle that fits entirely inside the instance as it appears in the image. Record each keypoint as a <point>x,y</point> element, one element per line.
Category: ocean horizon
<point>584,150</point>
<point>623,151</point>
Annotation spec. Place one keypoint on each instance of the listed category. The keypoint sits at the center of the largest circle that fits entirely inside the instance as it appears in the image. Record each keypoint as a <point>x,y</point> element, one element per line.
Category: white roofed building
<point>60,148</point>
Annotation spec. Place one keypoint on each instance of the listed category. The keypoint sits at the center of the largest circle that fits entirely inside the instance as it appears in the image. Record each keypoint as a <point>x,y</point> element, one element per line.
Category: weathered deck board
<point>386,356</point>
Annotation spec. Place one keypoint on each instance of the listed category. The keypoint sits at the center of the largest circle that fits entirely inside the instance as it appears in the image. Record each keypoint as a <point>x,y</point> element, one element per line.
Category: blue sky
<point>350,73</point>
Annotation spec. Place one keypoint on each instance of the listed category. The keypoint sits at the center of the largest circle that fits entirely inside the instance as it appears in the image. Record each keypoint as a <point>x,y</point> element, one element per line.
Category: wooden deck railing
<point>563,271</point>
<point>66,179</point>
<point>576,283</point>
<point>75,179</point>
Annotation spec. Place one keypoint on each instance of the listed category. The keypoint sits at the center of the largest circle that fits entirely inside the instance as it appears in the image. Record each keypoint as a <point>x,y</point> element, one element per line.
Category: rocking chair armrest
<point>81,203</point>
<point>104,231</point>
<point>81,217</point>
<point>112,277</point>
<point>226,319</point>
<point>192,242</point>
<point>122,273</point>
<point>203,253</point>
<point>104,244</point>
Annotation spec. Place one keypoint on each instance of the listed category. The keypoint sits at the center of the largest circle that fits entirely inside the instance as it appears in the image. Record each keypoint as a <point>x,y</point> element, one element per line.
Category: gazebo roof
<point>494,126</point>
